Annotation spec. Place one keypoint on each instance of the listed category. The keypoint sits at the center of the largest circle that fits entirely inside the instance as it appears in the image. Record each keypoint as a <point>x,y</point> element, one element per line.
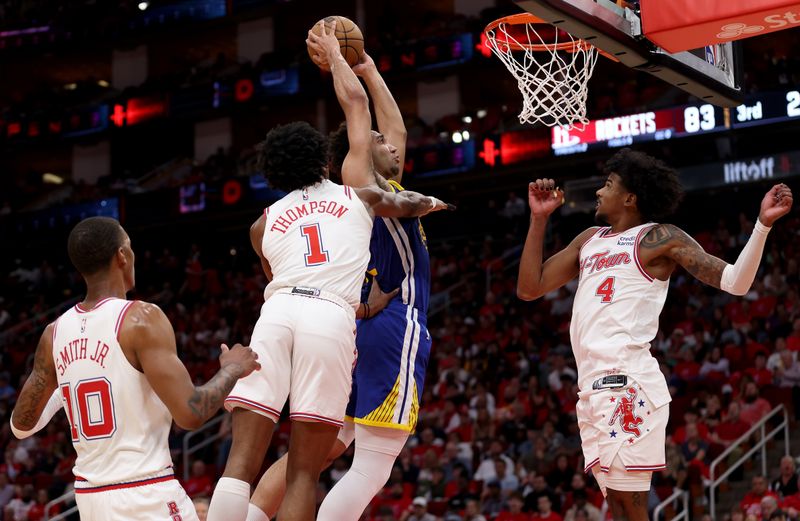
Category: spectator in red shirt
<point>691,417</point>
<point>753,406</point>
<point>732,427</point>
<point>759,373</point>
<point>751,504</point>
<point>199,484</point>
<point>36,513</point>
<point>688,369</point>
<point>544,510</point>
<point>513,511</point>
<point>793,340</point>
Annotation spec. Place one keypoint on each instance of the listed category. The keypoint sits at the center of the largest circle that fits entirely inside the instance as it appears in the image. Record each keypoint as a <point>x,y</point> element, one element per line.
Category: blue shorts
<point>393,352</point>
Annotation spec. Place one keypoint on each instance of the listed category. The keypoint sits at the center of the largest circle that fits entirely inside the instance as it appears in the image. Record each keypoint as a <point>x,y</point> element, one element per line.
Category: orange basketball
<point>351,41</point>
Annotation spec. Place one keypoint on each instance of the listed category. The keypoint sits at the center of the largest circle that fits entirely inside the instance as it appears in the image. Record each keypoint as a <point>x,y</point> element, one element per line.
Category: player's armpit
<point>669,241</point>
<point>257,240</point>
<point>38,387</point>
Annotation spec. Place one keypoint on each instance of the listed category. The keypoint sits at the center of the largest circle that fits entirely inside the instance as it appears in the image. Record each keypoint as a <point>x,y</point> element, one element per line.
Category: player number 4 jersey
<point>119,426</point>
<point>615,312</point>
<point>318,237</point>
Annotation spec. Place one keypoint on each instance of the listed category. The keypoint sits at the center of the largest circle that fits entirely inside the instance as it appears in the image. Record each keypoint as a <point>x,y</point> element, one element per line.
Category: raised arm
<point>669,241</point>
<point>38,389</point>
<point>148,334</point>
<point>257,240</point>
<point>401,204</point>
<point>536,278</point>
<point>390,120</point>
<point>357,169</point>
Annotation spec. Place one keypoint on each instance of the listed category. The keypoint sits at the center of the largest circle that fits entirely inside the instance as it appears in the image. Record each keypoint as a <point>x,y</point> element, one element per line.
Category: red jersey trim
<point>639,237</point>
<point>592,236</point>
<point>55,328</point>
<point>80,309</point>
<point>249,404</point>
<point>347,192</point>
<point>121,318</point>
<point>590,465</point>
<point>645,467</point>
<point>316,418</point>
<point>118,486</point>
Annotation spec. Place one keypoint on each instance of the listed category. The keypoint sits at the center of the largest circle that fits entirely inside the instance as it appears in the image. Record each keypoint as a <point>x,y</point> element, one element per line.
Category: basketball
<point>351,41</point>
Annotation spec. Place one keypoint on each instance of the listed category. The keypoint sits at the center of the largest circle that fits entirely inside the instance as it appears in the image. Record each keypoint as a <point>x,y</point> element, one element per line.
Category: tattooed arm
<point>670,243</point>
<point>38,387</point>
<point>148,336</point>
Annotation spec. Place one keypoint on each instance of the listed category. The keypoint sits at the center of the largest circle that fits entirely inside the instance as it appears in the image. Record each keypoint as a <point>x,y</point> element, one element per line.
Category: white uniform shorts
<point>306,346</point>
<point>146,499</point>
<point>623,436</point>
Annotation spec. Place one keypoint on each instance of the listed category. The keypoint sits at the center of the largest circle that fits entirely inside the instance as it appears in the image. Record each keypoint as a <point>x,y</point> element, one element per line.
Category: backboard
<point>713,74</point>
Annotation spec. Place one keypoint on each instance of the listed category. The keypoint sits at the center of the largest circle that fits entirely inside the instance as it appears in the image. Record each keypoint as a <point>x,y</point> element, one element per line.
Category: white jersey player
<point>624,271</point>
<point>314,248</point>
<point>115,371</point>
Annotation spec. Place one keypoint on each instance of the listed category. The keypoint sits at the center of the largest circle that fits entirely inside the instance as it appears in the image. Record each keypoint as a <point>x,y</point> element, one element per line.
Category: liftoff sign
<point>681,25</point>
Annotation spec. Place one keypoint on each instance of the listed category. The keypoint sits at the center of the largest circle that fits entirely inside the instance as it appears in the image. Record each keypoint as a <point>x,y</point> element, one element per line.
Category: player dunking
<point>115,365</point>
<point>386,384</point>
<point>623,271</point>
<point>314,246</point>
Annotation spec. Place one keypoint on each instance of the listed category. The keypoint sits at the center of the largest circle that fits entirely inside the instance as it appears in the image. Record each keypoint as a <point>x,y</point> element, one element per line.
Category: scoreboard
<point>676,122</point>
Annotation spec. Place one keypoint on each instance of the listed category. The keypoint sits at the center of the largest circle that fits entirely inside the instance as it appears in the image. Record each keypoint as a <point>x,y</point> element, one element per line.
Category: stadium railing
<point>760,445</point>
<point>677,495</point>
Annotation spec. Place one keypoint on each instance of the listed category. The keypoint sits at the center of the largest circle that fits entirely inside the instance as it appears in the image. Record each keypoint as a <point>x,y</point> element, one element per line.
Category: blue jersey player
<point>393,345</point>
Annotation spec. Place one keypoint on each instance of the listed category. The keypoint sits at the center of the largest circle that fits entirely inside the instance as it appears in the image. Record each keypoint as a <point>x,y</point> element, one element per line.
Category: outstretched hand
<point>544,197</point>
<point>776,203</point>
<point>325,45</point>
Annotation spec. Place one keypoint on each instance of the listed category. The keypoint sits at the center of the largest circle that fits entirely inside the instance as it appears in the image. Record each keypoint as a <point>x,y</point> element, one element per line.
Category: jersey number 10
<point>92,410</point>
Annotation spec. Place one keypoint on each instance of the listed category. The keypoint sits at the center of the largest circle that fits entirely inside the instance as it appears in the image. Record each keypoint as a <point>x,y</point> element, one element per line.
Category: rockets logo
<point>628,421</point>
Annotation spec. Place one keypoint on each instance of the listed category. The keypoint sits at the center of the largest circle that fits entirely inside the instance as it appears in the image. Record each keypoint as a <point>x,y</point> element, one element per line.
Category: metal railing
<point>677,495</point>
<point>760,445</point>
<point>188,449</point>
<point>65,498</point>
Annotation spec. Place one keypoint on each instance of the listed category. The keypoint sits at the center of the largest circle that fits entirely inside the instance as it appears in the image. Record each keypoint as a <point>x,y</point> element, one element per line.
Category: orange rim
<point>527,18</point>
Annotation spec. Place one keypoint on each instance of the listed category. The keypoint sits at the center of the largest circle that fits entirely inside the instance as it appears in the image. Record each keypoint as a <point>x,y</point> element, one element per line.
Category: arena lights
<point>143,6</point>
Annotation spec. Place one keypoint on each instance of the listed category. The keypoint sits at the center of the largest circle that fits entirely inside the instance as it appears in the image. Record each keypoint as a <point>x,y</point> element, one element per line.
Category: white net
<point>553,76</point>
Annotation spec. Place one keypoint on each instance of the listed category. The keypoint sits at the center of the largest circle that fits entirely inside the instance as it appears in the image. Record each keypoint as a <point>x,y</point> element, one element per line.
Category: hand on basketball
<point>775,204</point>
<point>325,45</point>
<point>365,65</point>
<point>240,358</point>
<point>544,197</point>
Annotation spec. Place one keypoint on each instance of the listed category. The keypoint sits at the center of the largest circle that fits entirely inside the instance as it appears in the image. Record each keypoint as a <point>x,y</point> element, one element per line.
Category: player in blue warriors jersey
<point>393,344</point>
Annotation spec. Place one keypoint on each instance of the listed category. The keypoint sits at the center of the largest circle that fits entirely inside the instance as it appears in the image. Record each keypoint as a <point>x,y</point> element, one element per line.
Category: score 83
<point>699,118</point>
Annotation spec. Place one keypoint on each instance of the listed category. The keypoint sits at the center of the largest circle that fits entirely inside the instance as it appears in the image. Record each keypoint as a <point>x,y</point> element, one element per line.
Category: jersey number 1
<point>606,290</point>
<point>95,409</point>
<point>316,255</point>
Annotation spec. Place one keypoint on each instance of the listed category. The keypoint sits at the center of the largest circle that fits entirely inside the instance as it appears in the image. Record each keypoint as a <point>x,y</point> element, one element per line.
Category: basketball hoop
<point>552,73</point>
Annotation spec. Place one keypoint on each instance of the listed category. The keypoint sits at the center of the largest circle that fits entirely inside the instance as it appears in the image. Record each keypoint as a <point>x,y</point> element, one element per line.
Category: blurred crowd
<point>497,437</point>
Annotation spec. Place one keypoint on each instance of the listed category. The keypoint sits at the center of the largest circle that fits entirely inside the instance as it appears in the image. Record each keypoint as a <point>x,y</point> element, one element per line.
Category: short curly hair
<point>656,186</point>
<point>338,147</point>
<point>293,156</point>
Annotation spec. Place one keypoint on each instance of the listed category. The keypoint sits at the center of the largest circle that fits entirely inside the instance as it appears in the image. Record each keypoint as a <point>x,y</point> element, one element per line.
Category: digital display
<point>429,54</point>
<point>626,130</point>
<point>760,109</point>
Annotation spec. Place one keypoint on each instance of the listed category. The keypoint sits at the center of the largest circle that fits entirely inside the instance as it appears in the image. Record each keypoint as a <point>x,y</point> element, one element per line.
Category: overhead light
<point>233,252</point>
<point>481,113</point>
<point>467,119</point>
<point>465,135</point>
<point>143,5</point>
<point>457,137</point>
<point>103,83</point>
<point>71,86</point>
<point>52,179</point>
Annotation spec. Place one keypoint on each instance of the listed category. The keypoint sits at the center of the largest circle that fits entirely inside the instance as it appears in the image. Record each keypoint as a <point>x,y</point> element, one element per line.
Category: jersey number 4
<point>606,290</point>
<point>92,410</point>
<point>316,254</point>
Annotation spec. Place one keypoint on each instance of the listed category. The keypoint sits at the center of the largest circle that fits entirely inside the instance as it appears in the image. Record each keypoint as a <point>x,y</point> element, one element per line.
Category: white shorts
<point>306,346</point>
<point>146,499</point>
<point>623,435</point>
